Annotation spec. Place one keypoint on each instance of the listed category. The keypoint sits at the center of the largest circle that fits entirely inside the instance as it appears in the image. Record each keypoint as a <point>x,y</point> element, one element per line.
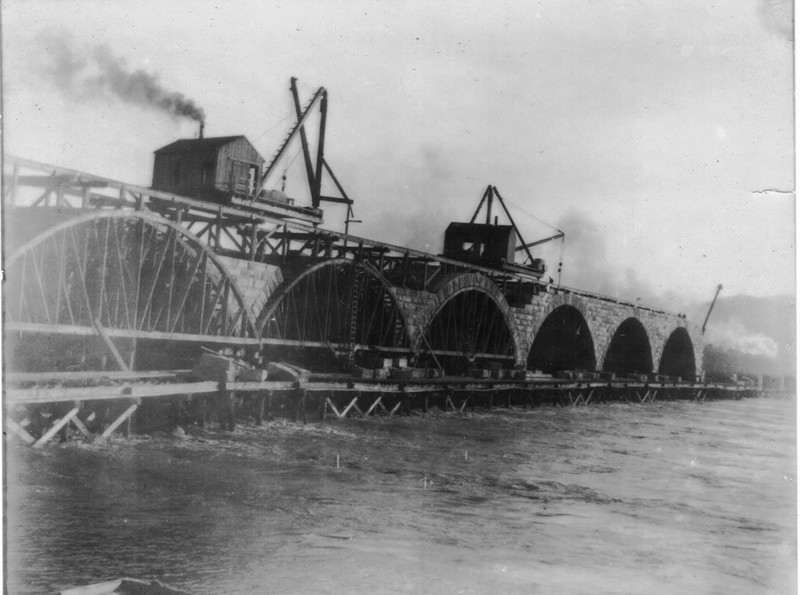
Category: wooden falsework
<point>161,304</point>
<point>20,431</point>
<point>341,383</point>
<point>117,422</point>
<point>75,330</point>
<point>55,428</point>
<point>81,426</point>
<point>372,407</point>
<point>132,276</point>
<point>110,345</point>
<point>99,393</point>
<point>13,378</point>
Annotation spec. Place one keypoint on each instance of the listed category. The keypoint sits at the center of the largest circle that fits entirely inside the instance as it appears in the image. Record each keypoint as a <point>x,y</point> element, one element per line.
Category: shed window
<point>251,180</point>
<point>208,169</point>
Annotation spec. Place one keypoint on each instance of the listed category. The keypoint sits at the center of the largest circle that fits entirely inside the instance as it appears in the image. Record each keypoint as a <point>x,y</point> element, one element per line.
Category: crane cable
<point>554,228</point>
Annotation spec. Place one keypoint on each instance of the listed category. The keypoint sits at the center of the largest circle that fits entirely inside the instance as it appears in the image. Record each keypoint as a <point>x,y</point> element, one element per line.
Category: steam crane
<point>493,245</point>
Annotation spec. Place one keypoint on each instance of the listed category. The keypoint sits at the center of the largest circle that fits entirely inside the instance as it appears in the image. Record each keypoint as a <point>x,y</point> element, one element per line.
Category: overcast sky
<point>653,133</point>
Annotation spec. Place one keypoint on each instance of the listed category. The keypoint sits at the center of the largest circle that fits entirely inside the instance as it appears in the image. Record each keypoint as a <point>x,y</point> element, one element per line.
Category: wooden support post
<point>132,356</point>
<point>126,427</point>
<point>81,427</point>
<point>330,404</point>
<point>20,431</point>
<point>260,410</point>
<point>395,408</point>
<point>372,407</point>
<point>350,406</point>
<point>303,396</point>
<point>110,346</point>
<point>218,230</point>
<point>203,405</point>
<point>55,428</point>
<point>117,422</point>
<point>230,410</point>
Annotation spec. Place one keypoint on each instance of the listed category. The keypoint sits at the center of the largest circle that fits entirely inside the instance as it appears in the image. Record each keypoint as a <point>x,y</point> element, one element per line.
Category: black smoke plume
<point>98,72</point>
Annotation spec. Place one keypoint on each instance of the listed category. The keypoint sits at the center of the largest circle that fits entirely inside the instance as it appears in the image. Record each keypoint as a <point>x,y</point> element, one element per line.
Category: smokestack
<point>202,126</point>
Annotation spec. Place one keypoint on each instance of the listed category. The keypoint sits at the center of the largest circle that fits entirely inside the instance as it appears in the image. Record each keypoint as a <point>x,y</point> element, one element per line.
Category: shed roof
<point>191,145</point>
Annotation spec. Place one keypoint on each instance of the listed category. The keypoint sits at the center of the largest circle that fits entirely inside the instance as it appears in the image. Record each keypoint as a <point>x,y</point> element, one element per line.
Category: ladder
<point>356,293</point>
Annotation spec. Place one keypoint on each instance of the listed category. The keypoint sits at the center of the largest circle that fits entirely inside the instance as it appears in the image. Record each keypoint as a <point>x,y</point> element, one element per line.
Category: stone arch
<point>315,308</point>
<point>563,342</point>
<point>678,357</point>
<point>629,351</point>
<point>480,317</point>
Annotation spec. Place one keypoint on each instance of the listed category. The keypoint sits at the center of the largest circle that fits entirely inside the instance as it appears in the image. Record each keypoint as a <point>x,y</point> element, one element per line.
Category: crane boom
<point>711,307</point>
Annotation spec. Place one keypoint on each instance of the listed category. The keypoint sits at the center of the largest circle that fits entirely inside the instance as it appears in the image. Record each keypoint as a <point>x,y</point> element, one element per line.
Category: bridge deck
<point>49,387</point>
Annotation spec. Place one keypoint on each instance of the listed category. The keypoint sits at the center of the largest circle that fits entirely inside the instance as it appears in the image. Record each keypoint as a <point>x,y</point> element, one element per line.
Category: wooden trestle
<point>319,397</point>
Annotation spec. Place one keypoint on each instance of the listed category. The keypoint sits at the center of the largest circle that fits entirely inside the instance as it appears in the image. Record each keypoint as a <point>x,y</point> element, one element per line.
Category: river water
<point>671,497</point>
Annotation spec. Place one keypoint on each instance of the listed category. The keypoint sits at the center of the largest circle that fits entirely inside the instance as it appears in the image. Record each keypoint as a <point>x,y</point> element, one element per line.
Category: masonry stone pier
<point>552,328</point>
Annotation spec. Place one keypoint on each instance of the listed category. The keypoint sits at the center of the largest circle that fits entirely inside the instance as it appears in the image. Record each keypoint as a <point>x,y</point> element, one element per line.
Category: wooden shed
<point>208,168</point>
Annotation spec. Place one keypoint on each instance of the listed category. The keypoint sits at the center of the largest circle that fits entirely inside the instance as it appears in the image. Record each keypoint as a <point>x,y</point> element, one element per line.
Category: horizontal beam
<point>332,382</point>
<point>23,377</point>
<point>68,329</point>
<point>462,354</point>
<point>307,213</point>
<point>83,331</point>
<point>52,181</point>
<point>102,393</point>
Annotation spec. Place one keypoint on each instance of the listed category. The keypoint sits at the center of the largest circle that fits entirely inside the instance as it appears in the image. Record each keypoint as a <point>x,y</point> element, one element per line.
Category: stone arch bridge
<point>159,277</point>
<point>465,318</point>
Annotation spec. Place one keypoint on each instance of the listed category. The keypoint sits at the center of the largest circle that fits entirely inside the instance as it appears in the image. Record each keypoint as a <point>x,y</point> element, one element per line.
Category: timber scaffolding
<point>45,404</point>
<point>112,287</point>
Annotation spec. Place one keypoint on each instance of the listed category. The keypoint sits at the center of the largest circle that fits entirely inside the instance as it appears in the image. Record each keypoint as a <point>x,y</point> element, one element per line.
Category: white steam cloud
<point>733,335</point>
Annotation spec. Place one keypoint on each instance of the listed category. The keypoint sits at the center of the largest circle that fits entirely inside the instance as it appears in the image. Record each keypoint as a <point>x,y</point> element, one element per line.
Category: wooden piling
<point>260,409</point>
